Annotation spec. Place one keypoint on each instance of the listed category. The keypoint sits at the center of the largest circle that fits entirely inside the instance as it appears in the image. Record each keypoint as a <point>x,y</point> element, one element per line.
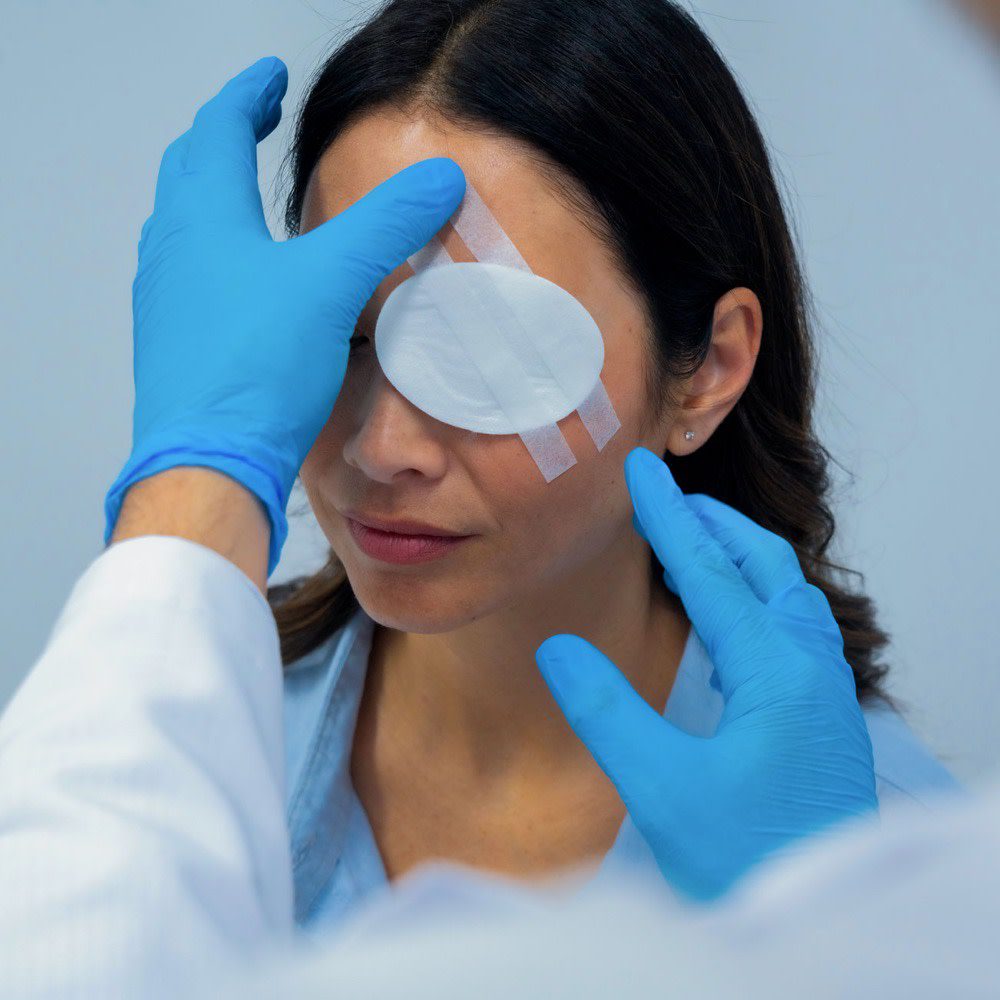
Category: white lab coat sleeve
<point>142,819</point>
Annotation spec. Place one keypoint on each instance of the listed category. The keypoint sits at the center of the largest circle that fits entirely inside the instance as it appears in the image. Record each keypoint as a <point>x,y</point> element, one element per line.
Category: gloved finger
<point>227,127</point>
<point>349,255</point>
<point>631,742</point>
<point>767,561</point>
<point>172,165</point>
<point>222,145</point>
<point>722,606</point>
<point>770,564</point>
<point>806,604</point>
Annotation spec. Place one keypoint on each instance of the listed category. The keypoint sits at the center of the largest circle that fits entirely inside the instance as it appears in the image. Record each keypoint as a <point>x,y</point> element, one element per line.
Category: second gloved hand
<point>241,342</point>
<point>791,755</point>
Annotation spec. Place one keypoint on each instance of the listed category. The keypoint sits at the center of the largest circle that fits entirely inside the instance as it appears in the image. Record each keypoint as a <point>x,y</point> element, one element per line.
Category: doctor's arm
<point>142,820</point>
<point>204,506</point>
<point>142,824</point>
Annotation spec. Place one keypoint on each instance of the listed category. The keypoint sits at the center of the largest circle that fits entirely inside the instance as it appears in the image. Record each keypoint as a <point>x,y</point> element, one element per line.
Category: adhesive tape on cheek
<point>492,347</point>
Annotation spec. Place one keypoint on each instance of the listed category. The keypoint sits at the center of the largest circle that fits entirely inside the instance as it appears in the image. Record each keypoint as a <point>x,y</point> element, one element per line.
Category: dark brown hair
<point>636,120</point>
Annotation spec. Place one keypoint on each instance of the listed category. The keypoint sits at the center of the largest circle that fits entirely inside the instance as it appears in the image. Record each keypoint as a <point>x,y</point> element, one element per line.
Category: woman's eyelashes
<point>356,341</point>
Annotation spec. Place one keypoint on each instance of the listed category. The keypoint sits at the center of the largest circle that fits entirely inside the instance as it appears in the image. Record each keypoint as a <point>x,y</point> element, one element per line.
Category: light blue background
<point>884,120</point>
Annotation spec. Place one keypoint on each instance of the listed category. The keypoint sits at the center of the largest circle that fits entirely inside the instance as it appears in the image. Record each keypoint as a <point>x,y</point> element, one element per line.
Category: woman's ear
<point>715,388</point>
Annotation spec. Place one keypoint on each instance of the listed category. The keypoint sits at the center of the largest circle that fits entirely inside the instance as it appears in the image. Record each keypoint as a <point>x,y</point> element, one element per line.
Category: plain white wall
<point>884,121</point>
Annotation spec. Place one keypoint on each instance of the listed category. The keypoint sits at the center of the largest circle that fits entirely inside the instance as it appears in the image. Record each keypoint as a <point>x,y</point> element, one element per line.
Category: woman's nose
<point>393,436</point>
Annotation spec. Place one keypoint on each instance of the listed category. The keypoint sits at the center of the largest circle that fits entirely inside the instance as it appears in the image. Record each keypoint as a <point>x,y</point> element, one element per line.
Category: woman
<point>616,150</point>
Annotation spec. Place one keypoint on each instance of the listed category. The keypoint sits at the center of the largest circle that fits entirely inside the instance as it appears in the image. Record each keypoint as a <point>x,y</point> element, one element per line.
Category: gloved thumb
<point>353,252</point>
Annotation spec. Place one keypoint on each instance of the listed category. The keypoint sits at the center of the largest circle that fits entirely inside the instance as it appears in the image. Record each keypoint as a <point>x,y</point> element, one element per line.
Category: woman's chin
<point>412,609</point>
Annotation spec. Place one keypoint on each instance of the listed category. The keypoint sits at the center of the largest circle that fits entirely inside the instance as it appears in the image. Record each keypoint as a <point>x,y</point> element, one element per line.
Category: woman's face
<point>380,455</point>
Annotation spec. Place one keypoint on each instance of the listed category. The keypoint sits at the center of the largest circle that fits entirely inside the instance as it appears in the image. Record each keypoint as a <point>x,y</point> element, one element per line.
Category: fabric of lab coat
<point>906,906</point>
<point>143,790</point>
<point>142,820</point>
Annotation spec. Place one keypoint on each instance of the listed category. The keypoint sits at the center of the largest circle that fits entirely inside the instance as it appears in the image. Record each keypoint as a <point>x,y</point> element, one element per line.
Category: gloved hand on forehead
<point>241,342</point>
<point>791,756</point>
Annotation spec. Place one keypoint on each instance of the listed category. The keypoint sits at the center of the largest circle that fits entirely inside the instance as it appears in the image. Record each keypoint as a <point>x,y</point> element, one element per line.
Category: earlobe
<point>684,440</point>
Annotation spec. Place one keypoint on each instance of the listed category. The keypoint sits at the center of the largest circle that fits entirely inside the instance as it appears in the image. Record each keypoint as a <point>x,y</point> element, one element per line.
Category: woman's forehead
<point>381,143</point>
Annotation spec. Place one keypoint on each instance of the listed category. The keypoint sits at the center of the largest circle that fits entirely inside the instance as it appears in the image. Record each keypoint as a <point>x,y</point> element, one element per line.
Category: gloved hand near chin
<point>791,755</point>
<point>241,342</point>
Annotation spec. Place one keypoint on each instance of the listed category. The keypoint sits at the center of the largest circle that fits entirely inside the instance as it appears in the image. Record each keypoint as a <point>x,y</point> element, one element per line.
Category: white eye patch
<point>488,348</point>
<point>492,347</point>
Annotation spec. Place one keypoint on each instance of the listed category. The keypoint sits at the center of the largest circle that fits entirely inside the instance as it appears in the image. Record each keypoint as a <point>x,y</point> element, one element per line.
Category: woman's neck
<point>472,705</point>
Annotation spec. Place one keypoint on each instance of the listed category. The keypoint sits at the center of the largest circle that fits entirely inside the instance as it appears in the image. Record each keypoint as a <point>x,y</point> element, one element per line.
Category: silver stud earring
<point>689,435</point>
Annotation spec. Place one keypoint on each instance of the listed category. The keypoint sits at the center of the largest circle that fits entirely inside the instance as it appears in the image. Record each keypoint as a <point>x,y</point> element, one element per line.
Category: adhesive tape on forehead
<point>492,347</point>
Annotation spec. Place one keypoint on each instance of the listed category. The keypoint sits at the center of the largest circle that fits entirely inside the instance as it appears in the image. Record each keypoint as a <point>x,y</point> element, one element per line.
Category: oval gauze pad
<point>488,348</point>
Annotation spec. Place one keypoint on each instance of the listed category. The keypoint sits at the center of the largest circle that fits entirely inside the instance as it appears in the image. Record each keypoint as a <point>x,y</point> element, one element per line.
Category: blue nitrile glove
<point>241,342</point>
<point>791,755</point>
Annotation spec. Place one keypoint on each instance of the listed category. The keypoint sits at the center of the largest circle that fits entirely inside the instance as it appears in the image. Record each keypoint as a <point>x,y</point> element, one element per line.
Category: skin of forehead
<point>555,241</point>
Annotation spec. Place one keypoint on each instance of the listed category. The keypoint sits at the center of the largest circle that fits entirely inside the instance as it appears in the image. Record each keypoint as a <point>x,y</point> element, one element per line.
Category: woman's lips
<point>392,547</point>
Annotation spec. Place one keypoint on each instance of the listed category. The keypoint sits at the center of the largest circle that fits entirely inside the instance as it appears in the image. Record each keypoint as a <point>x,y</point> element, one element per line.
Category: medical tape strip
<point>486,239</point>
<point>546,445</point>
<point>488,242</point>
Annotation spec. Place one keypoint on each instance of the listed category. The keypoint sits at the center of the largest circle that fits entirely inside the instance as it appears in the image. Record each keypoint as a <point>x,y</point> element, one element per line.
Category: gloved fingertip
<point>554,649</point>
<point>449,172</point>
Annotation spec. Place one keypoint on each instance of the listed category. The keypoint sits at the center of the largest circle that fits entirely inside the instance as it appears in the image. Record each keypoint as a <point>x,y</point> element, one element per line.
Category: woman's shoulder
<point>905,768</point>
